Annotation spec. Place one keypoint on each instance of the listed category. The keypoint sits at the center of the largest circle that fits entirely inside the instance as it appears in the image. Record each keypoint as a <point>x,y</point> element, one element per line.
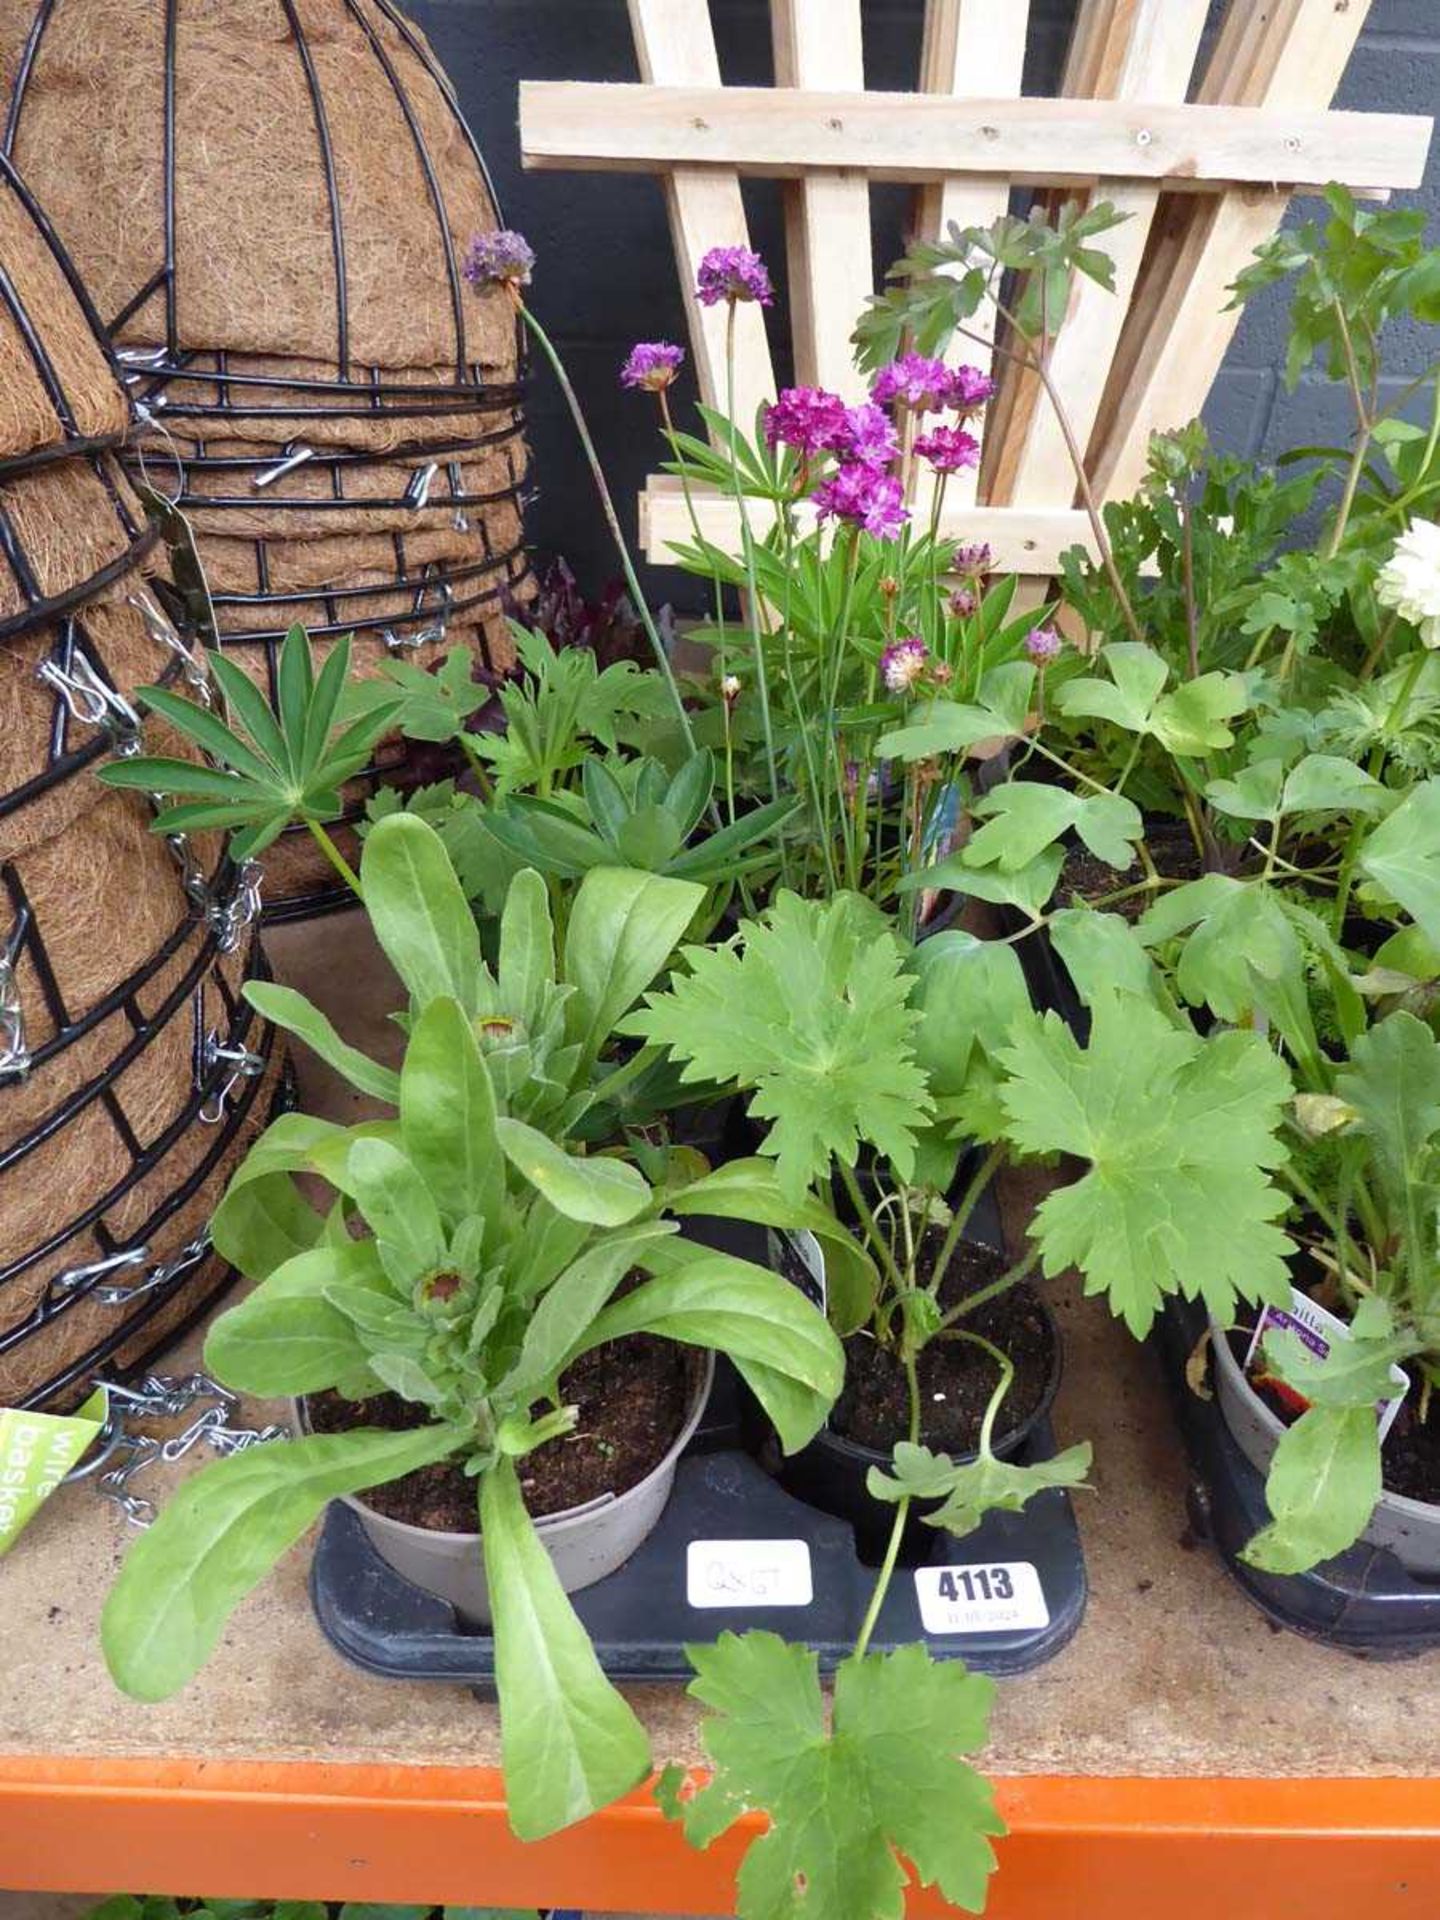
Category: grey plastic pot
<point>1410,1529</point>
<point>585,1543</point>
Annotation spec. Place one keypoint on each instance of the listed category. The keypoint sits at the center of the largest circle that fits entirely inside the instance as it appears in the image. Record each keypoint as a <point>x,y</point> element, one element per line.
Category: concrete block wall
<point>607,274</point>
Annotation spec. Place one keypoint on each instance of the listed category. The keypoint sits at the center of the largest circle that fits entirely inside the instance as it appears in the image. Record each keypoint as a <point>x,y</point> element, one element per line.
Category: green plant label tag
<point>37,1450</point>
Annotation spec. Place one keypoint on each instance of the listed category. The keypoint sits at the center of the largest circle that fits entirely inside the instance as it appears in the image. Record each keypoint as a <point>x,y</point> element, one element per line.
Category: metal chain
<point>14,1050</point>
<point>159,1397</point>
<point>88,700</point>
<point>163,631</point>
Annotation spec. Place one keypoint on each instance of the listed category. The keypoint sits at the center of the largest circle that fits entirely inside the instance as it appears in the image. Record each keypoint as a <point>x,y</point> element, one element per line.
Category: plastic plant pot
<point>586,1543</point>
<point>1410,1529</point>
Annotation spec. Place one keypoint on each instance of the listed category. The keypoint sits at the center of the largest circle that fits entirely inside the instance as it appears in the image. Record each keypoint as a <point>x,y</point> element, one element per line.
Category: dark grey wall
<point>607,274</point>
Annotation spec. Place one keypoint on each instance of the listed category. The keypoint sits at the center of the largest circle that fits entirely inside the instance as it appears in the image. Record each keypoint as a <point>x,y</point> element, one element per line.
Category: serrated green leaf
<point>887,1781</point>
<point>1240,937</point>
<point>1179,1134</point>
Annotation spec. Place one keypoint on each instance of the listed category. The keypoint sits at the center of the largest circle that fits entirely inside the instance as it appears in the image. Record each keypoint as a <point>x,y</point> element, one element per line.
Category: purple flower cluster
<point>929,386</point>
<point>1042,645</point>
<point>865,496</point>
<point>972,561</point>
<point>733,273</point>
<point>902,663</point>
<point>652,364</point>
<point>969,389</point>
<point>948,449</point>
<point>808,419</point>
<point>500,258</point>
<point>869,438</point>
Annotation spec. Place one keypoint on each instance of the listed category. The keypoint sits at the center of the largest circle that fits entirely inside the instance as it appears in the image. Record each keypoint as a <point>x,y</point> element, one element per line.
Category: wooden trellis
<point>1204,181</point>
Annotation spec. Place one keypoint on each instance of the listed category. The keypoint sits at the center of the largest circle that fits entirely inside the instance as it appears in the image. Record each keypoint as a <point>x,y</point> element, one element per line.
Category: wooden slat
<point>827,216</point>
<point>1151,59</point>
<point>676,47</point>
<point>1285,56</point>
<point>963,39</point>
<point>1022,542</point>
<point>917,137</point>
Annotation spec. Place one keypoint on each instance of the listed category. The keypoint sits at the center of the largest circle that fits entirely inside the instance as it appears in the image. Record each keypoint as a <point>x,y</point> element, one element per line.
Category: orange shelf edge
<point>1328,1849</point>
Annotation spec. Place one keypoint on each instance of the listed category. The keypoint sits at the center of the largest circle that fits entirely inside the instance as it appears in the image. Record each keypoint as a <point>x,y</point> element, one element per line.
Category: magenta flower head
<point>864,497</point>
<point>948,449</point>
<point>652,364</point>
<point>503,258</point>
<point>969,389</point>
<point>806,418</point>
<point>868,437</point>
<point>963,602</point>
<point>913,381</point>
<point>733,273</point>
<point>972,561</point>
<point>902,663</point>
<point>1042,645</point>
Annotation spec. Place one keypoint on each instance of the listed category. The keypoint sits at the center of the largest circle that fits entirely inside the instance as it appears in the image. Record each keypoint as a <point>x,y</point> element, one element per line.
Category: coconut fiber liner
<point>52,736</point>
<point>63,1337</point>
<point>228,490</point>
<point>306,132</point>
<point>57,383</point>
<point>68,531</point>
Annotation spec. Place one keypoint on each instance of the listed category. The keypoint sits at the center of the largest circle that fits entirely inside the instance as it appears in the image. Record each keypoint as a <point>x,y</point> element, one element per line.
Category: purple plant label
<point>1317,1329</point>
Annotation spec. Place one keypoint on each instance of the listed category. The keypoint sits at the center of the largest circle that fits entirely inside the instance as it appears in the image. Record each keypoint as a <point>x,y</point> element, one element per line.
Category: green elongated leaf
<point>729,1306</point>
<point>301,1143</point>
<point>263,1222</point>
<point>222,1531</point>
<point>1180,1135</point>
<point>210,732</point>
<point>246,704</point>
<point>324,705</point>
<point>291,1010</point>
<point>1355,1373</point>
<point>552,1240</point>
<point>1393,1084</point>
<point>286,1337</point>
<point>624,926</point>
<point>1101,951</point>
<point>1024,817</point>
<point>448,1115</point>
<point>886,1778</point>
<point>156,774</point>
<point>717,853</point>
<point>568,1308</point>
<point>404,1375</point>
<point>1030,888</point>
<point>970,1489</point>
<point>527,947</point>
<point>599,1190</point>
<point>1321,1489</point>
<point>400,1210</point>
<point>605,797</point>
<point>649,839</point>
<point>749,1190</point>
<point>1402,855</point>
<point>419,911</point>
<point>689,792</point>
<point>294,683</point>
<point>544,835</point>
<point>569,1743</point>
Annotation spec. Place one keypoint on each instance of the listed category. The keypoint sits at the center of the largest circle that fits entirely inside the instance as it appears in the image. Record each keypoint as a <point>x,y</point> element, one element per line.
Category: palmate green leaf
<point>1024,817</point>
<point>1239,939</point>
<point>812,1013</point>
<point>1102,952</point>
<point>851,1806</point>
<point>1180,1135</point>
<point>569,1743</point>
<point>435,706</point>
<point>1321,1489</point>
<point>970,1489</point>
<point>222,1531</point>
<point>1402,856</point>
<point>1190,720</point>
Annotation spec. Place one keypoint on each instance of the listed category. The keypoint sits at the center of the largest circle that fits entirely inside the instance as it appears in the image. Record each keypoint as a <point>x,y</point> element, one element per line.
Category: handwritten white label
<point>989,1597</point>
<point>748,1573</point>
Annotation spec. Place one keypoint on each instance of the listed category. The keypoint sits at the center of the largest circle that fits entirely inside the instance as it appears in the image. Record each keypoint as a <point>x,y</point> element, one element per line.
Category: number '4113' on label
<point>989,1597</point>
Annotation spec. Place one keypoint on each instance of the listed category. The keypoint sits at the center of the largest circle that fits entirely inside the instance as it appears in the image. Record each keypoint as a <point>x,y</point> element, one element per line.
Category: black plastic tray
<point>1363,1601</point>
<point>640,1618</point>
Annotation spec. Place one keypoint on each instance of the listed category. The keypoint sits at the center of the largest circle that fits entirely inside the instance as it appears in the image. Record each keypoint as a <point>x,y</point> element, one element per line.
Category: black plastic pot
<point>831,1472</point>
<point>1363,1601</point>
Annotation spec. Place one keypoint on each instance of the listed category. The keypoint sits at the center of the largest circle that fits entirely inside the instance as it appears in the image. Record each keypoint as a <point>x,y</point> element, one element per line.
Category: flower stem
<point>747,547</point>
<point>873,1234</point>
<point>897,1529</point>
<point>983,1295</point>
<point>612,518</point>
<point>337,859</point>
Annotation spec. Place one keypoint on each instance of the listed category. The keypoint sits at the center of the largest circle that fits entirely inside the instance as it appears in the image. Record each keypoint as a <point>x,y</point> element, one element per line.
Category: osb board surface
<point>1172,1673</point>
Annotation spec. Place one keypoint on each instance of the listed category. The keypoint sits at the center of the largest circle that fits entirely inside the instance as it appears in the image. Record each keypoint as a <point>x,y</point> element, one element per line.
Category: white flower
<point>1409,582</point>
<point>730,686</point>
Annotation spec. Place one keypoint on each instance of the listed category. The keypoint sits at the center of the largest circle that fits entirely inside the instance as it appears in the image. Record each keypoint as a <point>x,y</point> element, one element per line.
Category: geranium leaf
<point>1180,1134</point>
<point>970,1489</point>
<point>885,1787</point>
